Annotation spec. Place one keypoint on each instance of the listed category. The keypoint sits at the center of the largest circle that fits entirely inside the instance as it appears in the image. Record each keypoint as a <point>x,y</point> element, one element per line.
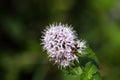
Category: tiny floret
<point>60,41</point>
<point>80,45</point>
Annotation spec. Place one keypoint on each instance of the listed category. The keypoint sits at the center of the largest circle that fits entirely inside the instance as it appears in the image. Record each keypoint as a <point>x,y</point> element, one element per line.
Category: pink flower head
<point>59,41</point>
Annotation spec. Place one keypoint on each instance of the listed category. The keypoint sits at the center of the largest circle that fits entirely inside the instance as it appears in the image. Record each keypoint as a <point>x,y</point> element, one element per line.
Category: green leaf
<point>70,77</point>
<point>97,77</point>
<point>90,69</point>
<point>73,71</point>
<point>83,76</point>
<point>77,70</point>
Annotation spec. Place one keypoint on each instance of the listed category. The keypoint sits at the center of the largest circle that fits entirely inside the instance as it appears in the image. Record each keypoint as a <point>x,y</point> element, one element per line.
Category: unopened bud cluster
<point>60,42</point>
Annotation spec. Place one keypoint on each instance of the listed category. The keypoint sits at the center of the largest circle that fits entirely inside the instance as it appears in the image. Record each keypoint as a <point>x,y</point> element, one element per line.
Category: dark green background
<point>22,23</point>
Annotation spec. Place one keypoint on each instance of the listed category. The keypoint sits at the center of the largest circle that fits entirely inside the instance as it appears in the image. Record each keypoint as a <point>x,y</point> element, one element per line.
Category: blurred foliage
<point>21,23</point>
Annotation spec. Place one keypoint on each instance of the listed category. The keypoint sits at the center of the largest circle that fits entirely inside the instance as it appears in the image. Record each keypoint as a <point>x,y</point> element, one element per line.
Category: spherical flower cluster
<point>61,42</point>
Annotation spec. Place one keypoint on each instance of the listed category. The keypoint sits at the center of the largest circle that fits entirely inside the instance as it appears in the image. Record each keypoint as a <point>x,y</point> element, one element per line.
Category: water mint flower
<point>60,41</point>
<point>80,45</point>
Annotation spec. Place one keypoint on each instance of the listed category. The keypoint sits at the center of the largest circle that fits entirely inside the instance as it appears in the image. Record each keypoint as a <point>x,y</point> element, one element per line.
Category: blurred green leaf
<point>41,72</point>
<point>90,69</point>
